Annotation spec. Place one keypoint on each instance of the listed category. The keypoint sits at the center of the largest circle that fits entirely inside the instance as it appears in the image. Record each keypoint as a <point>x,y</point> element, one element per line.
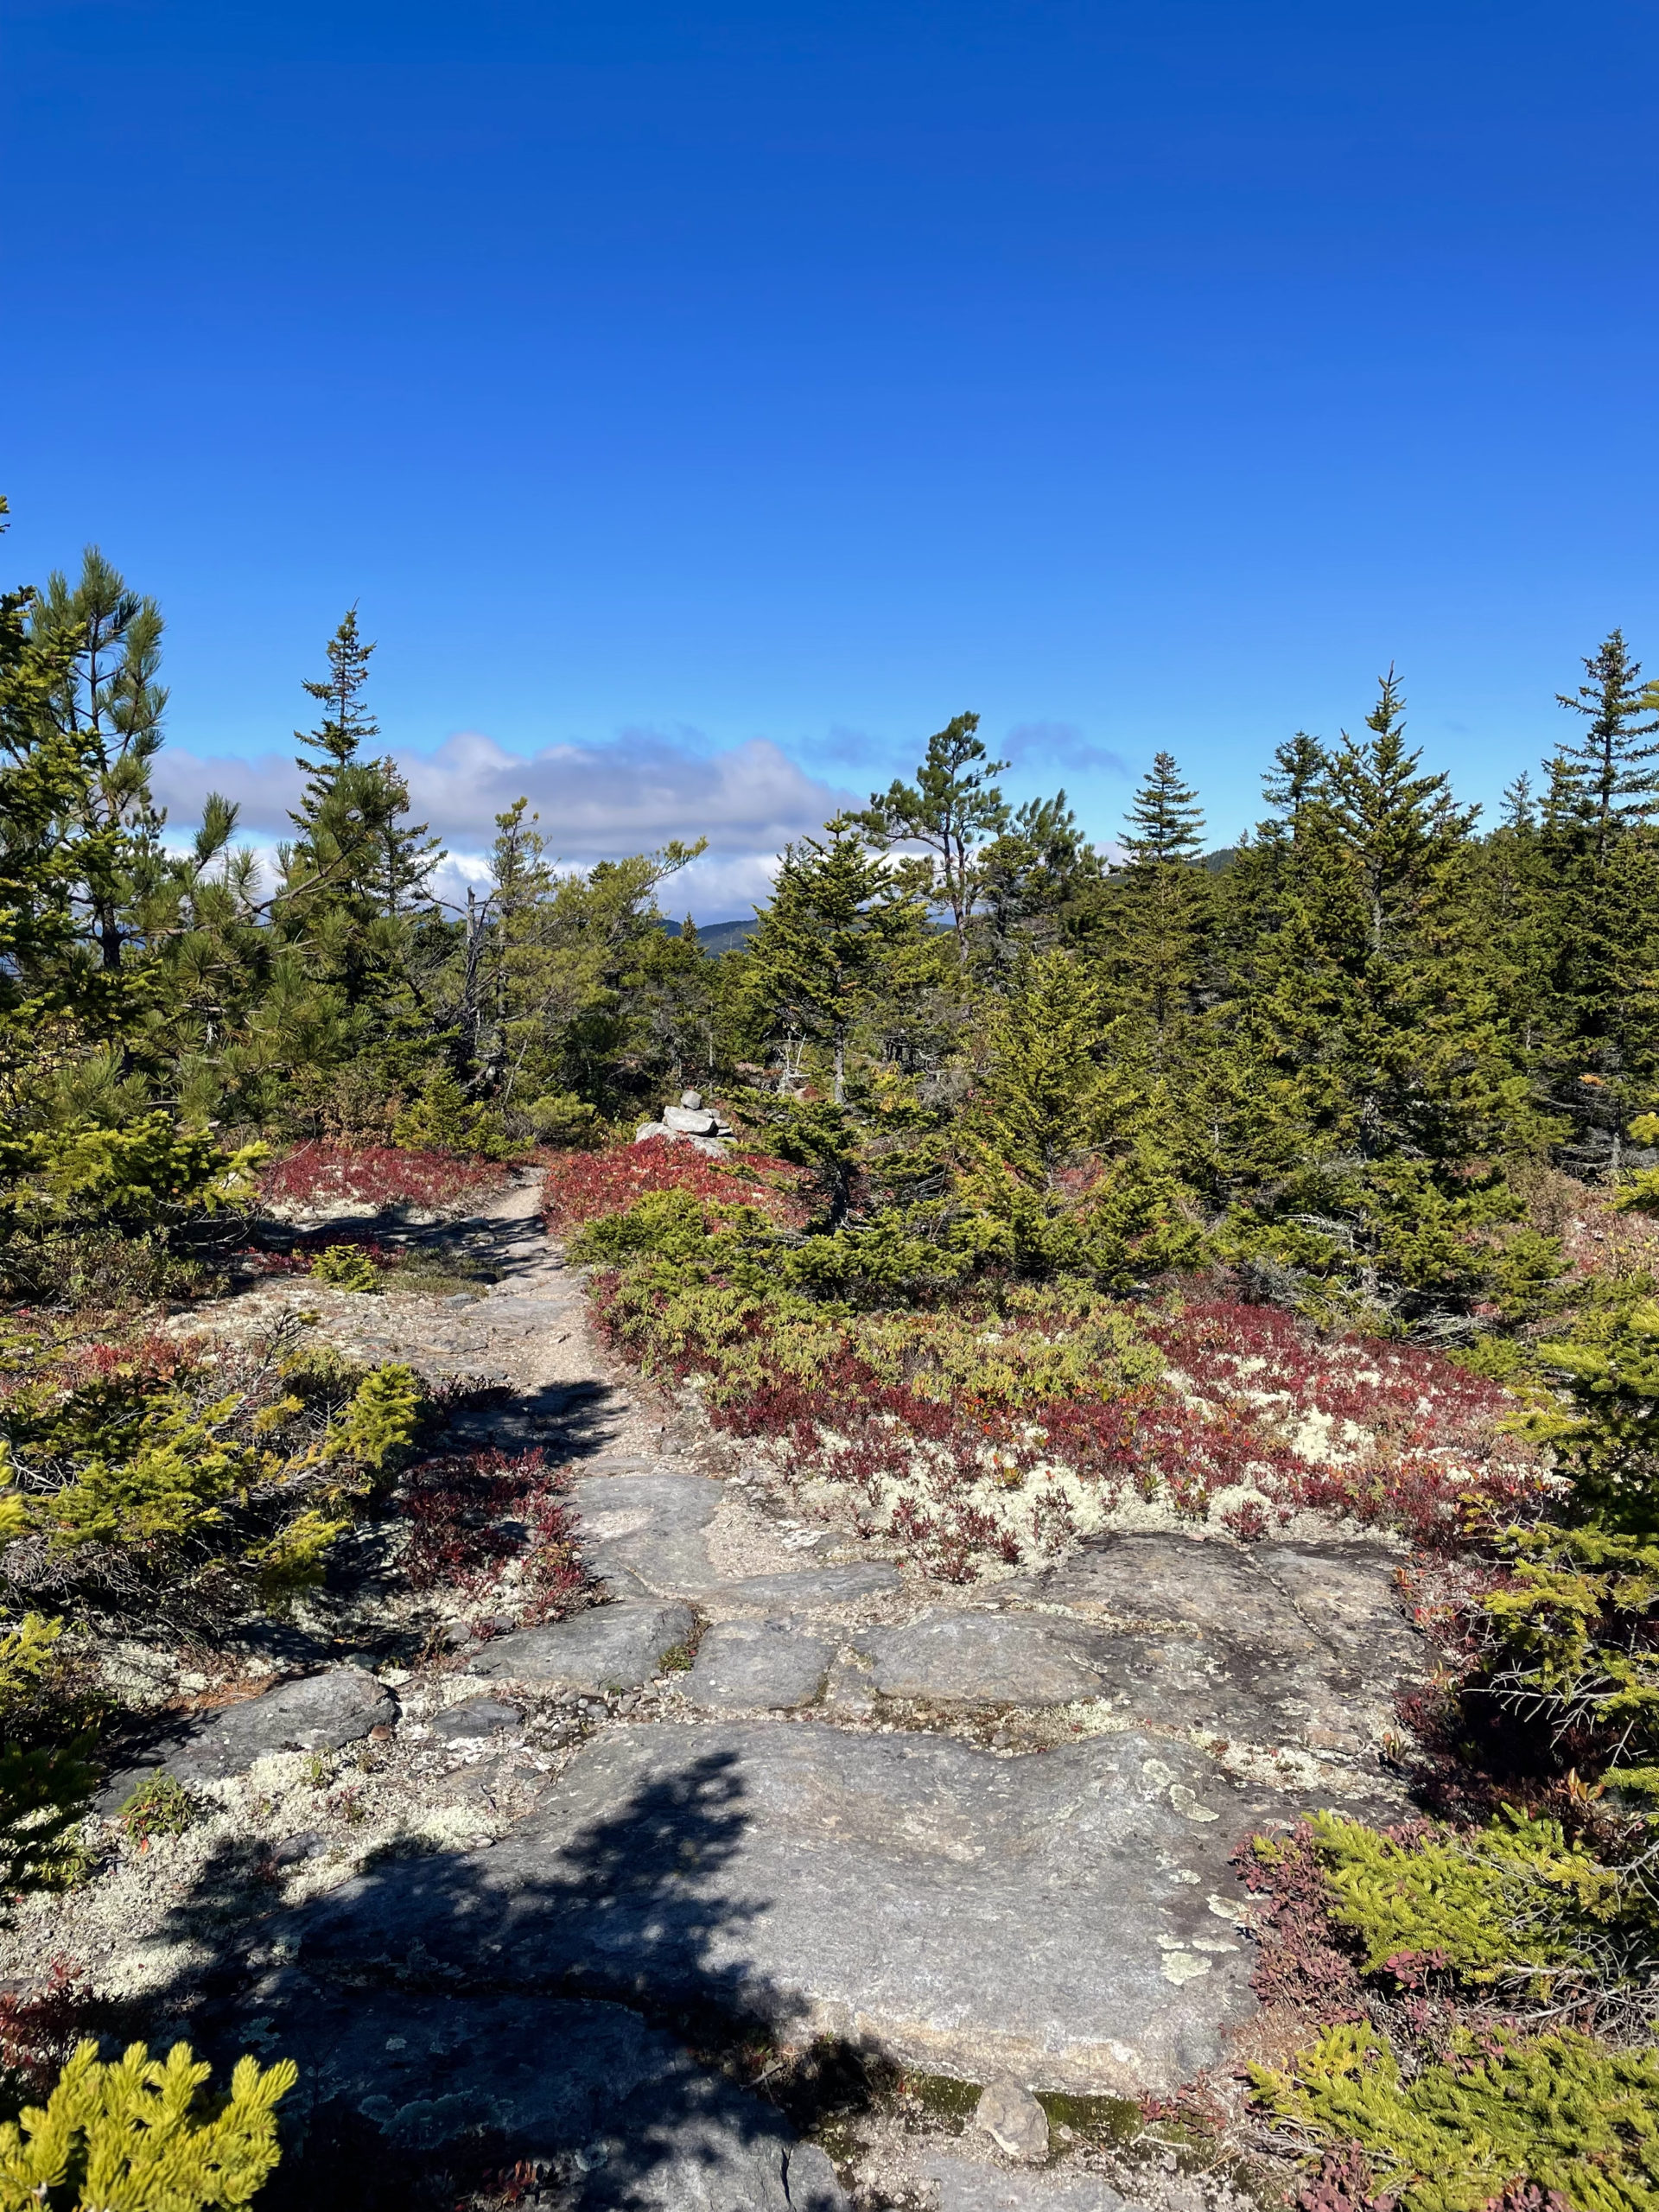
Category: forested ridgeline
<point>1081,1172</point>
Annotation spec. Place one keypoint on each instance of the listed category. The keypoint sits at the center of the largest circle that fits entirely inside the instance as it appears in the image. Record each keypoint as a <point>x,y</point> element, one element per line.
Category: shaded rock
<point>649,1527</point>
<point>768,1663</point>
<point>981,1659</point>
<point>612,1648</point>
<point>1014,2120</point>
<point>472,1718</point>
<point>962,2186</point>
<point>624,2112</point>
<point>809,1589</point>
<point>1047,1917</point>
<point>294,1850</point>
<point>319,1714</point>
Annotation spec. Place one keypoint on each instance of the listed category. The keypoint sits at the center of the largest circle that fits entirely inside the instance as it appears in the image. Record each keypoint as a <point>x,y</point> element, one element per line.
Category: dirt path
<point>492,1900</point>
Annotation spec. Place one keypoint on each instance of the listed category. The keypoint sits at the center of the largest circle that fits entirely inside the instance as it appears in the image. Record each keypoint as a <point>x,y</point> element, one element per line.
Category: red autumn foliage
<point>319,1173</point>
<point>471,1514</point>
<point>583,1187</point>
<point>1298,1963</point>
<point>39,2031</point>
<point>1426,1437</point>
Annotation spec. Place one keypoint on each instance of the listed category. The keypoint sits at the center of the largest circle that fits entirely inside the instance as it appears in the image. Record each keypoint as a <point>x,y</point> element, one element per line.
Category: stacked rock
<point>690,1123</point>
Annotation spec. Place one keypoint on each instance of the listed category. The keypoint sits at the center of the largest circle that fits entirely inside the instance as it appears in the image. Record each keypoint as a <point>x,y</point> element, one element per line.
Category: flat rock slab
<point>962,2186</point>
<point>807,1589</point>
<point>769,1664</point>
<point>1065,1917</point>
<point>644,1532</point>
<point>610,1648</point>
<point>549,2080</point>
<point>972,1658</point>
<point>1304,1645</point>
<point>319,1714</point>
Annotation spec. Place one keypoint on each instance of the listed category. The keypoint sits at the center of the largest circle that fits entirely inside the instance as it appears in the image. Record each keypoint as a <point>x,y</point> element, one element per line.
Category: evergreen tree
<point>102,641</point>
<point>953,810</point>
<point>1609,767</point>
<point>1161,914</point>
<point>357,867</point>
<point>1383,1060</point>
<point>1038,880</point>
<point>835,938</point>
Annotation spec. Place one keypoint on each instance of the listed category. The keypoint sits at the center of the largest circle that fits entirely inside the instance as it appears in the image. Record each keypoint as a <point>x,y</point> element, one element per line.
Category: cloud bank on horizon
<point>595,802</point>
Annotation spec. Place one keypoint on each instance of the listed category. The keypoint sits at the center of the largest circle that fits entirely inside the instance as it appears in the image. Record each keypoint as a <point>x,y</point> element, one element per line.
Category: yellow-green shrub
<point>137,2135</point>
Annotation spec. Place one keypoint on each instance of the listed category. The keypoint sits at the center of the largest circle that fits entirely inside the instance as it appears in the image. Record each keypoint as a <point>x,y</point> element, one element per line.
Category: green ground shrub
<point>1560,2111</point>
<point>1512,1904</point>
<point>138,2135</point>
<point>344,1267</point>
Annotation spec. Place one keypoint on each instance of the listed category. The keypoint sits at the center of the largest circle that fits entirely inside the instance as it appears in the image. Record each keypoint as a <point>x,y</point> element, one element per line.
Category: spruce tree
<point>357,867</point>
<point>833,938</point>
<point>1160,915</point>
<point>1610,766</point>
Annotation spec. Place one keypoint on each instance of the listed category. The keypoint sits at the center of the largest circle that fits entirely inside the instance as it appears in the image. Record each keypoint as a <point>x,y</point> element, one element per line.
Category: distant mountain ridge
<point>717,936</point>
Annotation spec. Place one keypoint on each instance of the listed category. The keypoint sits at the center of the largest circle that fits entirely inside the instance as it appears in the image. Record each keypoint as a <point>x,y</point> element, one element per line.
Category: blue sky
<point>704,402</point>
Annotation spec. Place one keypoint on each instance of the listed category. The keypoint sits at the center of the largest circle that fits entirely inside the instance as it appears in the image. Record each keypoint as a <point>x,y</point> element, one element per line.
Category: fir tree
<point>1161,912</point>
<point>1609,767</point>
<point>832,940</point>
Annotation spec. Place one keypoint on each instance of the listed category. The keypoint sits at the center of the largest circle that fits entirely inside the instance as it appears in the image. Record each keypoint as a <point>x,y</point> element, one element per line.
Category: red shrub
<point>376,1174</point>
<point>471,1514</point>
<point>38,2032</point>
<point>583,1187</point>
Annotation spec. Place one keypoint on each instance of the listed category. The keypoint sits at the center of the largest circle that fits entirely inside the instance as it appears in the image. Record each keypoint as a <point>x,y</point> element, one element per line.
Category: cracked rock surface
<point>774,1783</point>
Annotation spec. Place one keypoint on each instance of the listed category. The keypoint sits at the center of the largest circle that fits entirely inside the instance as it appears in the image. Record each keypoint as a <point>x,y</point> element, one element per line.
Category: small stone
<point>474,1717</point>
<point>294,1850</point>
<point>1014,2120</point>
<point>692,1100</point>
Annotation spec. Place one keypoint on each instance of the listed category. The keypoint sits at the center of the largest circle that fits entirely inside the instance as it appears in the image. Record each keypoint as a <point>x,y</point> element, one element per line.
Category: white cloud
<point>595,802</point>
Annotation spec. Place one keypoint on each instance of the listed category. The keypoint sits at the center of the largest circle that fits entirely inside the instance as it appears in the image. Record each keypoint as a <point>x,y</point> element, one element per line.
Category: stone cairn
<point>691,1123</point>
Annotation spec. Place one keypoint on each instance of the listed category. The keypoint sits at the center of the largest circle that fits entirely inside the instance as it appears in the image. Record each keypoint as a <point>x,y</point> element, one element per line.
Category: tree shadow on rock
<point>453,2014</point>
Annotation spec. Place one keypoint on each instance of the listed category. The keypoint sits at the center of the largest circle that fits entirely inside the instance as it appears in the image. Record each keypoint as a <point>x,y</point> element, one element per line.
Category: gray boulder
<point>644,1533</point>
<point>983,1659</point>
<point>1014,2120</point>
<point>808,1589</point>
<point>688,1122</point>
<point>474,1718</point>
<point>318,1713</point>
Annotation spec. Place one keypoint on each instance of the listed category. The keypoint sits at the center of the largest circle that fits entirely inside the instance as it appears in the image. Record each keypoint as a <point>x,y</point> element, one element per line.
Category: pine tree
<point>953,810</point>
<point>833,939</point>
<point>104,641</point>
